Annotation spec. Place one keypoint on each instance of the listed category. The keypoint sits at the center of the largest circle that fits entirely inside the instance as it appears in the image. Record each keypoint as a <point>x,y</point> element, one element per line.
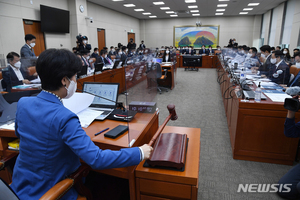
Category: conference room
<point>192,77</point>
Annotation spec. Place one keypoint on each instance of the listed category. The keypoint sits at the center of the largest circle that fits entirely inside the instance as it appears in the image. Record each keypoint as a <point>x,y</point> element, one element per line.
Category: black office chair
<point>156,75</point>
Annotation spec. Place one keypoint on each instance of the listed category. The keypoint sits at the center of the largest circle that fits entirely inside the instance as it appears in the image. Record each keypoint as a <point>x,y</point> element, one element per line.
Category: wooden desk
<point>257,129</point>
<point>156,184</point>
<point>207,61</point>
<point>142,128</point>
<point>107,76</point>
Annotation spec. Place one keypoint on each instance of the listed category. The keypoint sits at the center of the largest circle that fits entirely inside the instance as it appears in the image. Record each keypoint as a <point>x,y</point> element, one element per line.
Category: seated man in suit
<point>203,50</point>
<point>218,51</point>
<point>280,72</point>
<point>112,52</point>
<point>14,73</point>
<point>210,50</point>
<point>190,51</point>
<point>142,45</point>
<point>103,58</point>
<point>252,57</point>
<point>124,54</point>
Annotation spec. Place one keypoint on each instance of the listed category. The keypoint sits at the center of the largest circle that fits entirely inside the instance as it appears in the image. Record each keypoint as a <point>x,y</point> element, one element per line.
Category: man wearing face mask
<point>112,52</point>
<point>203,51</point>
<point>280,72</point>
<point>82,44</point>
<point>15,74</point>
<point>252,55</point>
<point>103,58</point>
<point>27,50</point>
<point>210,50</point>
<point>266,60</point>
<point>95,54</point>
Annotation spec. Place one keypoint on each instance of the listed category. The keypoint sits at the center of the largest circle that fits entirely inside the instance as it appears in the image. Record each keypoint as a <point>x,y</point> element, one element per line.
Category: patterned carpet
<point>198,102</point>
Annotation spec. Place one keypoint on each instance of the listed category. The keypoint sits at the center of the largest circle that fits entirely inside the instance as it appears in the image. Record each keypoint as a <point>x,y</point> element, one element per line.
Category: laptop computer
<point>99,67</point>
<point>106,90</point>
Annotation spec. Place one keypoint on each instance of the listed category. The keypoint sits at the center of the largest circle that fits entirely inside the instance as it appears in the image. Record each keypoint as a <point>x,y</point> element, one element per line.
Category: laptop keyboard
<point>105,112</point>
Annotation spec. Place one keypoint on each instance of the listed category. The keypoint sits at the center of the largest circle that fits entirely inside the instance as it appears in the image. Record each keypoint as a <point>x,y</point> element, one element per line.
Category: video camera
<point>79,39</point>
<point>292,104</point>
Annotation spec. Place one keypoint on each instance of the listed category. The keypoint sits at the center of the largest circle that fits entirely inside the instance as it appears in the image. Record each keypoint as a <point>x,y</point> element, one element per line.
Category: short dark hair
<point>111,47</point>
<point>103,51</point>
<point>265,48</point>
<point>272,48</point>
<point>85,52</point>
<point>278,53</point>
<point>279,47</point>
<point>10,56</point>
<point>55,64</point>
<point>29,37</point>
<point>95,49</point>
<point>254,50</point>
<point>297,54</point>
<point>296,49</point>
<point>123,48</point>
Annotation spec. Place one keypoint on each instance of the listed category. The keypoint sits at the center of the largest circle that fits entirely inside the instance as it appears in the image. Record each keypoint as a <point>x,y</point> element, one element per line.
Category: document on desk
<point>79,104</point>
<point>37,80</point>
<point>10,126</point>
<point>275,97</point>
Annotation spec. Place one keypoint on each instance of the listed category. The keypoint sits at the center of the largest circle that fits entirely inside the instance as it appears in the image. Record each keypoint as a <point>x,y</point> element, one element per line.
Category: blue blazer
<point>26,52</point>
<point>201,51</point>
<point>51,143</point>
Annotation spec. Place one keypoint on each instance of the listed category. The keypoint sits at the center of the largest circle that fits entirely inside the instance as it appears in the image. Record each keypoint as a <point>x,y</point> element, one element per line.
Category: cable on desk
<point>219,78</point>
<point>226,91</point>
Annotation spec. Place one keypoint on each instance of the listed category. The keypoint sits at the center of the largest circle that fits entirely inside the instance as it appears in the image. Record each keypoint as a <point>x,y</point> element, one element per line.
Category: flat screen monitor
<point>54,20</point>
<point>157,60</point>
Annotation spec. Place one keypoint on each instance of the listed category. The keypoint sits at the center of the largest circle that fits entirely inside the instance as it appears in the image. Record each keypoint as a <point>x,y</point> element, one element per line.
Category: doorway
<point>131,35</point>
<point>101,38</point>
<point>34,28</point>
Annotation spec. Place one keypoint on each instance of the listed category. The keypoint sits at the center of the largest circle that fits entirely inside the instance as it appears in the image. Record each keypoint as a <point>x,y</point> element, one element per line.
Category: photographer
<point>291,129</point>
<point>82,43</point>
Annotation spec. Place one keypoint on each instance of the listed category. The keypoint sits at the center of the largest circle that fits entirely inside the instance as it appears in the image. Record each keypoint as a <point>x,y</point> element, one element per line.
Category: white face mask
<point>219,49</point>
<point>249,55</point>
<point>263,56</point>
<point>284,52</point>
<point>126,50</point>
<point>84,41</point>
<point>298,64</point>
<point>203,47</point>
<point>273,60</point>
<point>88,57</point>
<point>167,51</point>
<point>97,52</point>
<point>71,89</point>
<point>190,48</point>
<point>17,64</point>
<point>105,56</point>
<point>120,53</point>
<point>32,44</point>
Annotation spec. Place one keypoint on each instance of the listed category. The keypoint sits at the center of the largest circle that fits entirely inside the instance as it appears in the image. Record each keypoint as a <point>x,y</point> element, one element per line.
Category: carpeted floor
<point>198,102</point>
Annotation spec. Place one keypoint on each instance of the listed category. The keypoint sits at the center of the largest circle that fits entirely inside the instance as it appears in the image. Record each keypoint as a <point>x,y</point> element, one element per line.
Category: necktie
<point>295,79</point>
<point>108,60</point>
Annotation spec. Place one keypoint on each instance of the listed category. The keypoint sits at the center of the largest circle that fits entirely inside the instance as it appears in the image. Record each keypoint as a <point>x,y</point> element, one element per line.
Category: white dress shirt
<point>17,72</point>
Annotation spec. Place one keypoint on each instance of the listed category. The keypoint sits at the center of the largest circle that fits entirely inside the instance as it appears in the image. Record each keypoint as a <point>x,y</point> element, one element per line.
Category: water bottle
<point>242,76</point>
<point>258,93</point>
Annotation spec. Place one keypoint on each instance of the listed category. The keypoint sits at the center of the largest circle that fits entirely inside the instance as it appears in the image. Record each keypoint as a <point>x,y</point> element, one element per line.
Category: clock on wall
<point>81,8</point>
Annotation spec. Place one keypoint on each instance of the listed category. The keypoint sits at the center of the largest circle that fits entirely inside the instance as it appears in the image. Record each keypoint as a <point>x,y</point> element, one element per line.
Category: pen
<point>101,131</point>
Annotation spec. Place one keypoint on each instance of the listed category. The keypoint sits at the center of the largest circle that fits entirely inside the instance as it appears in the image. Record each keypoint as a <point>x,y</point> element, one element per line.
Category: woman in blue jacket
<point>51,138</point>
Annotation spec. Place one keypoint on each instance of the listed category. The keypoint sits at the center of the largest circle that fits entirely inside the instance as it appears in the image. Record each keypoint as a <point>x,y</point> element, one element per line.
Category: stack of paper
<point>79,104</point>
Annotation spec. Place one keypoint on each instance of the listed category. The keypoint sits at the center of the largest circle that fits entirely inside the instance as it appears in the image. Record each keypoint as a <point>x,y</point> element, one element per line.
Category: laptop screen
<point>106,90</point>
<point>157,60</point>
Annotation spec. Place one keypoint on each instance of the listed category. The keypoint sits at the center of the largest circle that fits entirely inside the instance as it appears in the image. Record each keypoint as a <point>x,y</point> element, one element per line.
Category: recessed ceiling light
<point>190,1</point>
<point>153,16</point>
<point>138,10</point>
<point>224,0</point>
<point>173,15</point>
<point>196,14</point>
<point>158,3</point>
<point>117,0</point>
<point>146,13</point>
<point>129,5</point>
<point>222,5</point>
<point>169,12</point>
<point>220,10</point>
<point>194,11</point>
<point>248,9</point>
<point>192,6</point>
<point>253,4</point>
<point>165,8</point>
<point>219,13</point>
<point>243,13</point>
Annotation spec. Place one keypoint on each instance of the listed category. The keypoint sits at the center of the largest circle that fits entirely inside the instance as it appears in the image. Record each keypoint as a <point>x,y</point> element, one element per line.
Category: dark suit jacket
<point>282,78</point>
<point>100,59</point>
<point>212,51</point>
<point>193,51</point>
<point>169,59</point>
<point>10,78</point>
<point>266,67</point>
<point>206,51</point>
<point>123,57</point>
<point>94,55</point>
<point>142,46</point>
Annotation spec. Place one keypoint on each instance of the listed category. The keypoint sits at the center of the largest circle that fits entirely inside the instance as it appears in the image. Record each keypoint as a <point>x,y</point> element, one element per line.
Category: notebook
<point>109,92</point>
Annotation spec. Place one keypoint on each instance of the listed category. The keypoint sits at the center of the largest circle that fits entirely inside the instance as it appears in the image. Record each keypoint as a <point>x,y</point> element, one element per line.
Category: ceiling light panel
<point>222,5</point>
<point>158,3</point>
<point>139,10</point>
<point>129,5</point>
<point>253,4</point>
